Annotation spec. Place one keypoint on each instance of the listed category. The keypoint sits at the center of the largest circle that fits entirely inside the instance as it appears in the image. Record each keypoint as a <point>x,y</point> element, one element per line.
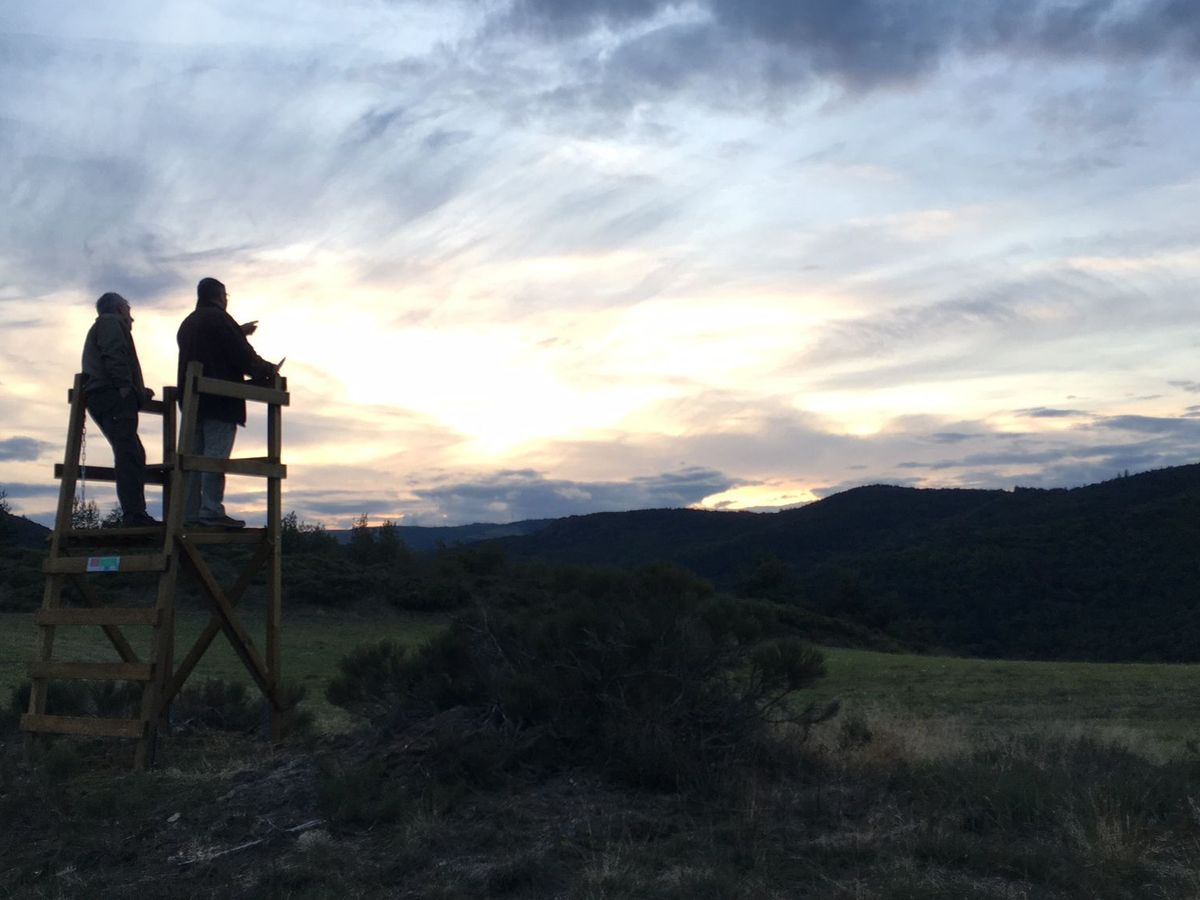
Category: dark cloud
<point>952,437</point>
<point>524,494</point>
<point>24,449</point>
<point>16,489</point>
<point>998,459</point>
<point>375,124</point>
<point>861,44</point>
<point>1045,412</point>
<point>830,490</point>
<point>570,17</point>
<point>1192,387</point>
<point>1185,428</point>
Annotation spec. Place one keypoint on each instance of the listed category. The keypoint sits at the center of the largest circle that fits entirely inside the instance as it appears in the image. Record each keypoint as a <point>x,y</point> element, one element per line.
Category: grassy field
<point>314,640</point>
<point>1160,703</point>
<point>941,779</point>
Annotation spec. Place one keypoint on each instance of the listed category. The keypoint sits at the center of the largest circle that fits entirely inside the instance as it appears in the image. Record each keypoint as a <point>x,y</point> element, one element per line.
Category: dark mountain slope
<point>1108,571</point>
<point>17,531</point>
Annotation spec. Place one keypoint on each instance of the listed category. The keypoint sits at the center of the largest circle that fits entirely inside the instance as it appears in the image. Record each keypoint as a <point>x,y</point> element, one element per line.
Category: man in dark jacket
<point>114,392</point>
<point>209,335</point>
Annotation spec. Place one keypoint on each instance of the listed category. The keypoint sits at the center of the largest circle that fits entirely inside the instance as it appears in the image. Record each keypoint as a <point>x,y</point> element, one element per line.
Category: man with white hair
<point>114,392</point>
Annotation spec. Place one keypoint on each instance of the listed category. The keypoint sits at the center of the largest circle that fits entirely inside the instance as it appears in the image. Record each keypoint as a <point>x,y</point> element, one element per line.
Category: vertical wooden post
<point>170,429</point>
<point>53,591</point>
<point>275,573</point>
<point>174,499</point>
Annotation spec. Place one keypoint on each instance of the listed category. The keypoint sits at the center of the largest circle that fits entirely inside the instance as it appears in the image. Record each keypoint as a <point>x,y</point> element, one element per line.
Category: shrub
<point>650,676</point>
<point>369,679</point>
<point>360,795</point>
<point>110,699</point>
<point>217,704</point>
<point>439,593</point>
<point>234,707</point>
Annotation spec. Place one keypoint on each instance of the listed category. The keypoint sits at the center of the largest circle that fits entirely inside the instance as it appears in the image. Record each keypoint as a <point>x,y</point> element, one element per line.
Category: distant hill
<point>1109,571</point>
<point>17,531</point>
<point>422,538</point>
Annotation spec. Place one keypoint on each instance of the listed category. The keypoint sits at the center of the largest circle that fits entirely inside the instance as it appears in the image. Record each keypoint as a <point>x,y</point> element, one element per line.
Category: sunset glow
<point>529,259</point>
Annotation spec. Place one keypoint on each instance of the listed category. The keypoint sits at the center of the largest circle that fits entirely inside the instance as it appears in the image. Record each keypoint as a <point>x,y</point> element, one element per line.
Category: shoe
<point>221,522</point>
<point>139,520</point>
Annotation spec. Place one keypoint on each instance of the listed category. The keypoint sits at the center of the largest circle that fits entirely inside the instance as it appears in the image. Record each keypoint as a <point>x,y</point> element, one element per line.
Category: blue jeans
<point>206,490</point>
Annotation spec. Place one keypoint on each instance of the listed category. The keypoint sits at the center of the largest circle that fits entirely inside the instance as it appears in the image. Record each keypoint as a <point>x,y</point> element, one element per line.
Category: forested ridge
<point>1106,572</point>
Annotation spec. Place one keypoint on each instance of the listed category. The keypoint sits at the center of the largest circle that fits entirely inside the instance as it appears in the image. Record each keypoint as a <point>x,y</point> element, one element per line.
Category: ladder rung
<point>262,467</point>
<point>83,565</point>
<point>156,473</point>
<point>202,534</point>
<point>104,536</point>
<point>99,616</point>
<point>155,407</point>
<point>92,671</point>
<point>126,728</point>
<point>242,390</point>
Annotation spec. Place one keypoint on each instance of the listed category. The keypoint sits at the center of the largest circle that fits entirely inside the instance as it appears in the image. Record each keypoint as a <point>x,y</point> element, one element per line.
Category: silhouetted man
<point>210,336</point>
<point>114,392</point>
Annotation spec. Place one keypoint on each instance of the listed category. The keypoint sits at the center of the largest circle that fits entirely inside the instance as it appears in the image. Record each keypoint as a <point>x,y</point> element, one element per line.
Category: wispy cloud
<point>526,257</point>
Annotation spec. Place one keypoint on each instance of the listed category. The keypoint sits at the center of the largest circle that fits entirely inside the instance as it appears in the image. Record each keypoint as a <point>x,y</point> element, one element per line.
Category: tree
<point>390,547</point>
<point>84,514</point>
<point>362,541</point>
<point>5,511</point>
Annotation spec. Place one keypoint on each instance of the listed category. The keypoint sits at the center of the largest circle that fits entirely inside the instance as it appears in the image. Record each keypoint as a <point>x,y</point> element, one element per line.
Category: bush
<point>217,704</point>
<point>234,707</point>
<point>108,699</point>
<point>369,679</point>
<point>650,677</point>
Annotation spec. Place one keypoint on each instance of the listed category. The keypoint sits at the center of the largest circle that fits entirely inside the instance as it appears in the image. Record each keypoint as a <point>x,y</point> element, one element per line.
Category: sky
<point>537,258</point>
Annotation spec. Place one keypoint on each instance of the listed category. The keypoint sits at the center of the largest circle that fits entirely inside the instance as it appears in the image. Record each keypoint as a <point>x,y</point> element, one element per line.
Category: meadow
<point>1155,704</point>
<point>941,777</point>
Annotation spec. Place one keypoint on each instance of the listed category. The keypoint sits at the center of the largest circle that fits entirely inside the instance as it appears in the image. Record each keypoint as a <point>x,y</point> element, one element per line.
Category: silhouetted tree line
<point>1105,572</point>
<point>1108,572</point>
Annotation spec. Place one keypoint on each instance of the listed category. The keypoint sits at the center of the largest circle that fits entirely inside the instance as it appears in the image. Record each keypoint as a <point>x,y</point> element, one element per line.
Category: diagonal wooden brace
<point>239,638</point>
<point>213,628</point>
<point>115,636</point>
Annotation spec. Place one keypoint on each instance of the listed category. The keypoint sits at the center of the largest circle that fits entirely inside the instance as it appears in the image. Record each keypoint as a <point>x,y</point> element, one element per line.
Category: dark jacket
<point>211,337</point>
<point>110,360</point>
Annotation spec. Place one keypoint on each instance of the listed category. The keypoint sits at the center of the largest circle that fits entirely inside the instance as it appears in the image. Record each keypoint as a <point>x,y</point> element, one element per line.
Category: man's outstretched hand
<point>248,328</point>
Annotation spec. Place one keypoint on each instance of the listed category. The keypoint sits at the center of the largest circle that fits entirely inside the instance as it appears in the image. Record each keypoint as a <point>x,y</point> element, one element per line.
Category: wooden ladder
<point>79,557</point>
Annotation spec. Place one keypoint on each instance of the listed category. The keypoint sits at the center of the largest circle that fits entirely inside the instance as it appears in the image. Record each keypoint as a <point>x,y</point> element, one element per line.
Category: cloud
<point>952,437</point>
<point>1044,412</point>
<point>861,45</point>
<point>16,489</point>
<point>571,17</point>
<point>26,449</point>
<point>850,484</point>
<point>526,494</point>
<point>1181,428</point>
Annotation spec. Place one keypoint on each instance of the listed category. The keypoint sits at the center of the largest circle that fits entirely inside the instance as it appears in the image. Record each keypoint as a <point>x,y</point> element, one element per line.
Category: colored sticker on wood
<point>104,564</point>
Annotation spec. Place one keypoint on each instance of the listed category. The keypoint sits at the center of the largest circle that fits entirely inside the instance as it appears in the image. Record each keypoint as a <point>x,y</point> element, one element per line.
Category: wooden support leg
<point>239,639</point>
<point>43,652</point>
<point>213,628</point>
